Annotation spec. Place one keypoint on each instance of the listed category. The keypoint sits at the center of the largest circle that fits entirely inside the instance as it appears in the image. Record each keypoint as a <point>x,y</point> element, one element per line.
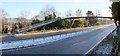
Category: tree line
<point>67,23</point>
<point>51,13</point>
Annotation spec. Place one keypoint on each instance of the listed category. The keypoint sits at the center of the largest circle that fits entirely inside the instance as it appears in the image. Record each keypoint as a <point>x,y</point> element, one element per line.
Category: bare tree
<point>24,14</point>
<point>41,15</point>
<point>97,12</point>
<point>3,13</point>
<point>68,13</point>
<point>49,10</point>
<point>79,13</point>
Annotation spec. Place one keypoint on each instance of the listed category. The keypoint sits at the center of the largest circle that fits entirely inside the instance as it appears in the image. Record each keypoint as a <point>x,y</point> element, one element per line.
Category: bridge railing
<point>88,17</point>
<point>37,24</point>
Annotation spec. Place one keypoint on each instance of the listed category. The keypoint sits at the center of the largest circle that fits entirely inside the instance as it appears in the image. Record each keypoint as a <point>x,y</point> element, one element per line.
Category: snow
<point>37,41</point>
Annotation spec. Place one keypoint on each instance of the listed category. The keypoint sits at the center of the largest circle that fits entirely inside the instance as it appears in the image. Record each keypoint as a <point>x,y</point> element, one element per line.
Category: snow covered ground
<point>37,41</point>
<point>105,49</point>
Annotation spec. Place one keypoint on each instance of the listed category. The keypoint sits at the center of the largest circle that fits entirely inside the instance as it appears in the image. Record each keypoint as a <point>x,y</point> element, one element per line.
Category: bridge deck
<point>86,17</point>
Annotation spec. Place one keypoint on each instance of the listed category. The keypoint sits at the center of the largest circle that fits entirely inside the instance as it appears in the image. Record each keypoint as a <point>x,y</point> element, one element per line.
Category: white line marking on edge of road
<point>95,45</point>
<point>73,33</point>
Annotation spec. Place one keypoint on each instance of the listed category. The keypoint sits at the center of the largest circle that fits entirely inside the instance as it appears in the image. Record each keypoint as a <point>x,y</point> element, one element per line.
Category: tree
<point>54,15</point>
<point>86,23</point>
<point>51,10</point>
<point>35,21</point>
<point>59,18</point>
<point>49,17</point>
<point>24,14</point>
<point>68,13</point>
<point>3,13</point>
<point>92,21</point>
<point>48,11</point>
<point>78,23</point>
<point>46,18</point>
<point>5,29</point>
<point>79,13</point>
<point>59,24</point>
<point>89,14</point>
<point>42,15</point>
<point>97,12</point>
<point>116,12</point>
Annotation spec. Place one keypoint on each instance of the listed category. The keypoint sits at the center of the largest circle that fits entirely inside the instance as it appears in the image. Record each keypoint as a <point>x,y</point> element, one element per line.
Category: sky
<point>13,7</point>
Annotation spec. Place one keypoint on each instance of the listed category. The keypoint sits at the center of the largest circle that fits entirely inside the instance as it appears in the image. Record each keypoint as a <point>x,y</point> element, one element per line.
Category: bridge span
<point>49,22</point>
<point>87,17</point>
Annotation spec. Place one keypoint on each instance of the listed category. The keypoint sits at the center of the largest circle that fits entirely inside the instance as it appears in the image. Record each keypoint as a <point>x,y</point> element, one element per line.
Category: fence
<point>37,41</point>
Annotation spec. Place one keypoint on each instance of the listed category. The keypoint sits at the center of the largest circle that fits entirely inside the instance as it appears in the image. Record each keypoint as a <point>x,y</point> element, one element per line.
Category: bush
<point>59,18</point>
<point>93,21</point>
<point>86,23</point>
<point>36,21</point>
<point>5,29</point>
<point>46,18</point>
<point>78,23</point>
<point>49,17</point>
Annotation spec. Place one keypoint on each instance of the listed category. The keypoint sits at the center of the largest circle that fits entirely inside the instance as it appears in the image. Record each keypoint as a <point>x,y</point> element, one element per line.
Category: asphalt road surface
<point>81,44</point>
<point>15,38</point>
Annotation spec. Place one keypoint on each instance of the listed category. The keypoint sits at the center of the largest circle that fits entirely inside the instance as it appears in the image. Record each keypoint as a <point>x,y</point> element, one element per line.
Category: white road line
<point>98,42</point>
<point>55,38</point>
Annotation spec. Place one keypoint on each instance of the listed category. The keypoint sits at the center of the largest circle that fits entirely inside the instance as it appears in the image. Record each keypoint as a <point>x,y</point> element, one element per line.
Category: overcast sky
<point>13,7</point>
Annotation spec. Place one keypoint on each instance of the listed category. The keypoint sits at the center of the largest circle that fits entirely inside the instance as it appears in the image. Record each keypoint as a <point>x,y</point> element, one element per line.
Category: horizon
<point>34,7</point>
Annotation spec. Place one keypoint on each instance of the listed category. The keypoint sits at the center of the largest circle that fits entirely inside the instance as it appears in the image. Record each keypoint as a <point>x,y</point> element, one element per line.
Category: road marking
<point>99,42</point>
<point>58,38</point>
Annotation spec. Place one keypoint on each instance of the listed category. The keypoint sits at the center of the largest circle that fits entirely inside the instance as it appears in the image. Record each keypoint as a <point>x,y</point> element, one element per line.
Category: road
<point>81,44</point>
<point>24,37</point>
